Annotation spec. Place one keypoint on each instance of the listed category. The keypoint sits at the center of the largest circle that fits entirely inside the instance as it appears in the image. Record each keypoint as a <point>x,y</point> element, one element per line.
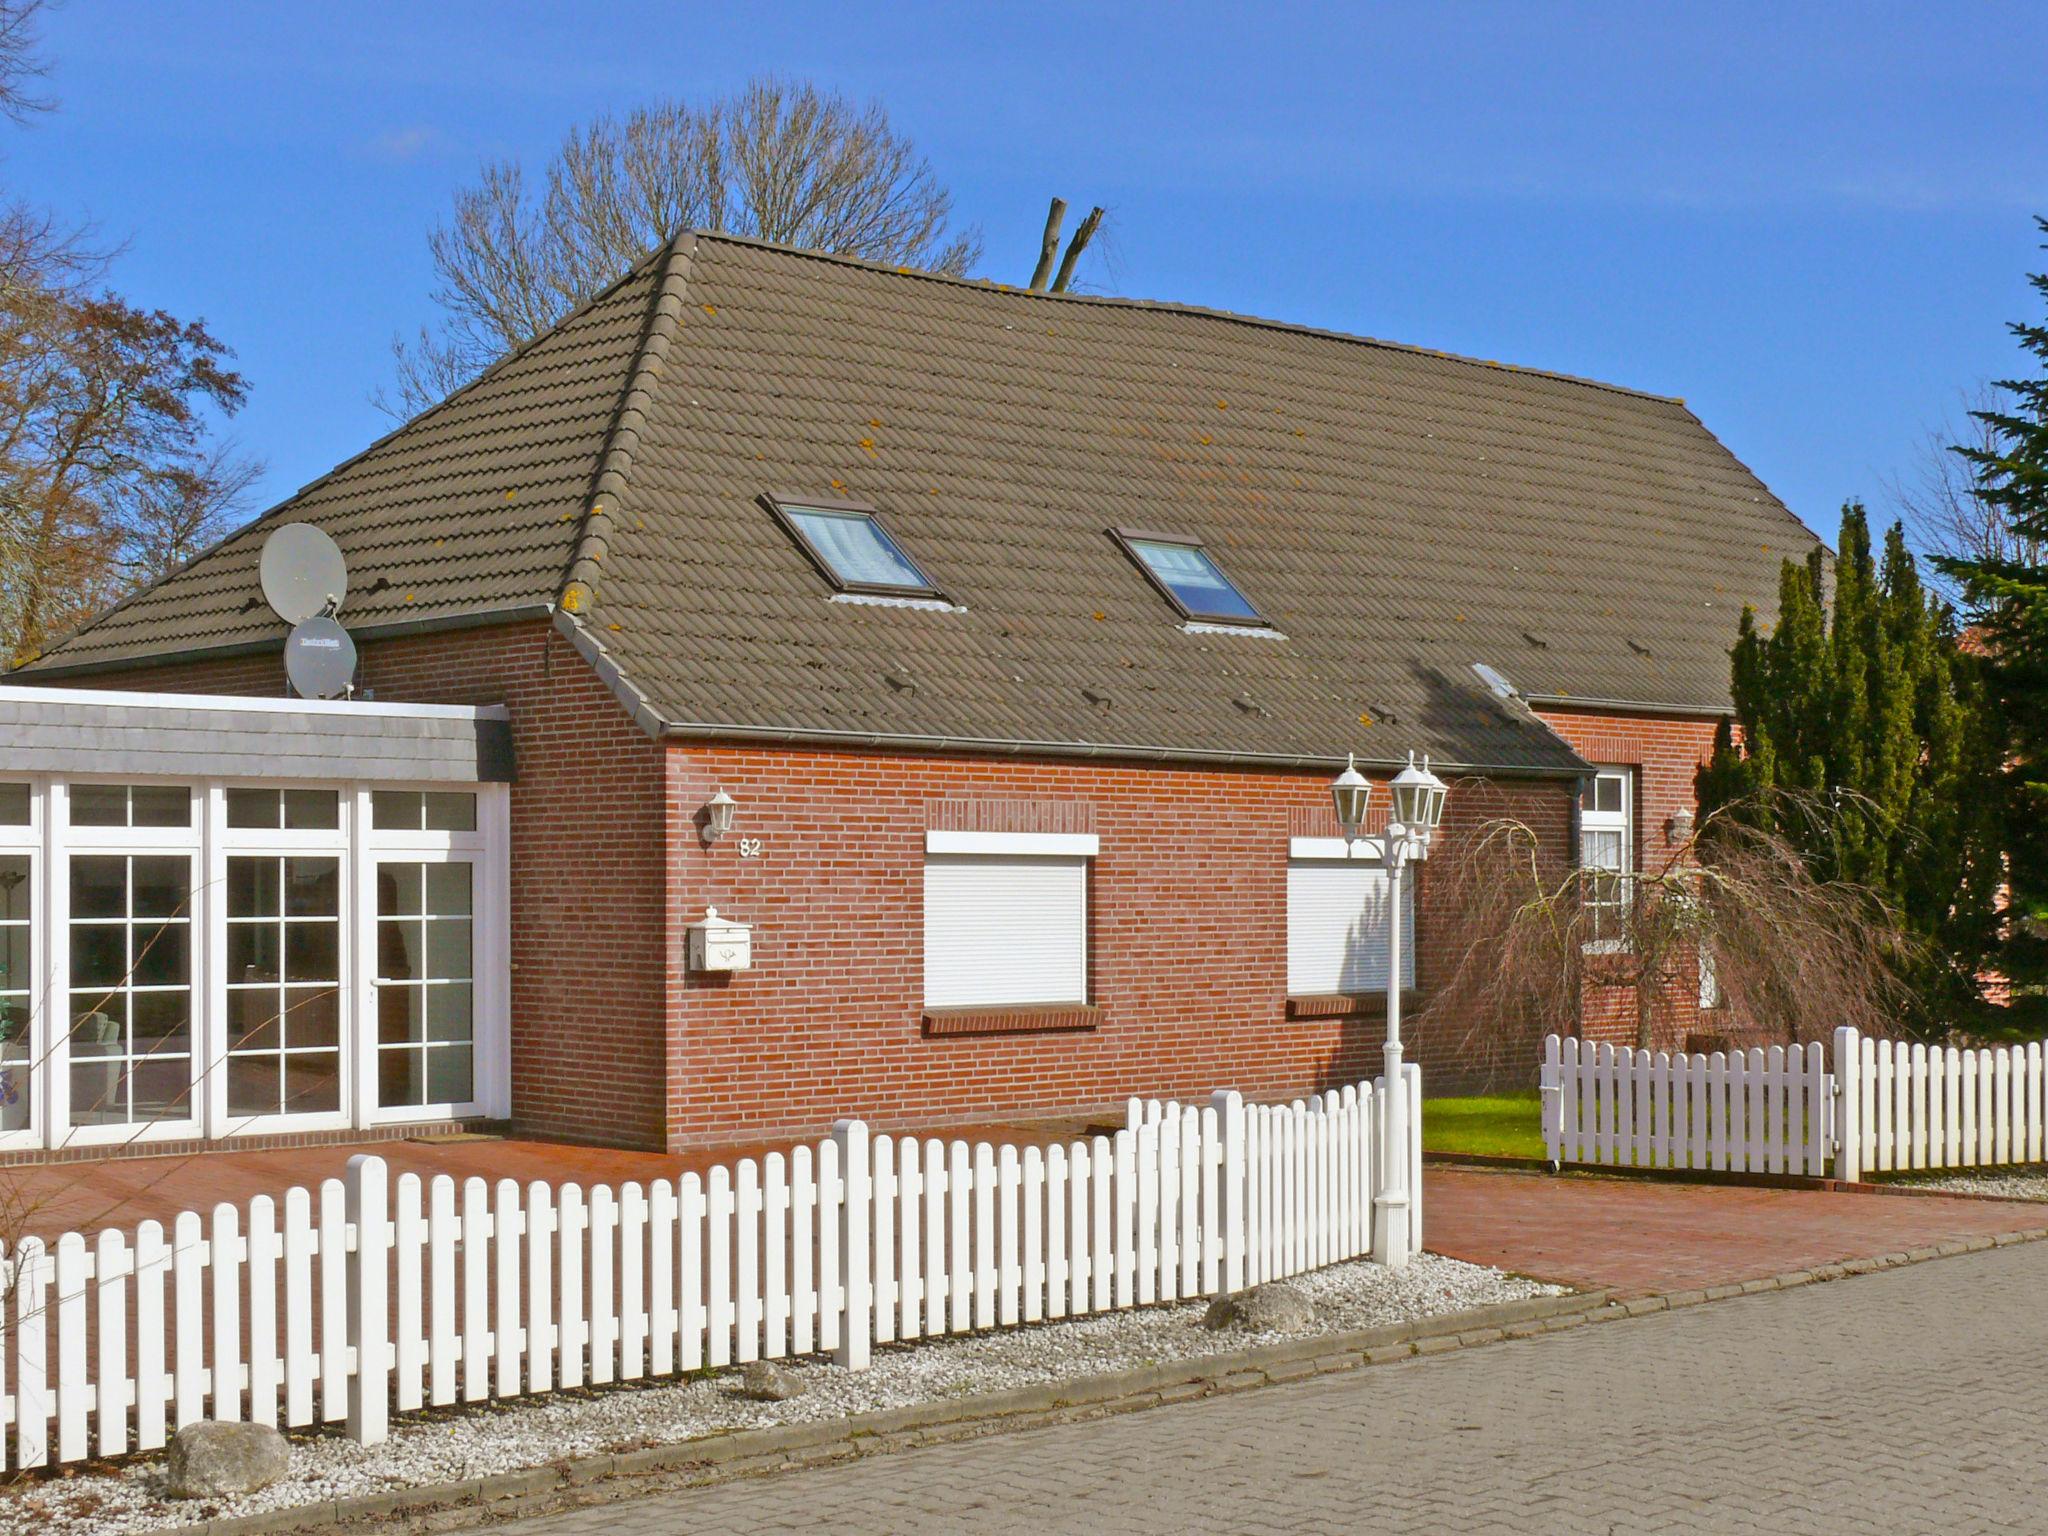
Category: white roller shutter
<point>1337,927</point>
<point>1002,930</point>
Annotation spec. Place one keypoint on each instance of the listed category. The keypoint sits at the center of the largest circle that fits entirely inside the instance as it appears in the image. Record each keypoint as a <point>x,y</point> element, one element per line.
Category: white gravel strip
<point>2013,1184</point>
<point>451,1445</point>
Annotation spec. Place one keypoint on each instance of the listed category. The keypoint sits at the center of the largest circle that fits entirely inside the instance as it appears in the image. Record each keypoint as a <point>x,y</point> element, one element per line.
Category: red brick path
<point>1639,1236</point>
<point>1634,1236</point>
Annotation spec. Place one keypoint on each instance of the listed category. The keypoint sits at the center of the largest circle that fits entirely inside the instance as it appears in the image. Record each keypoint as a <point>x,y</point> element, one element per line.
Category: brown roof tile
<point>1398,514</point>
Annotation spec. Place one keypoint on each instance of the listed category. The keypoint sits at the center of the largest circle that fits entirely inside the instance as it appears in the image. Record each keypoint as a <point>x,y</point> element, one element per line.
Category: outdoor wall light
<point>1352,793</point>
<point>1678,828</point>
<point>718,814</point>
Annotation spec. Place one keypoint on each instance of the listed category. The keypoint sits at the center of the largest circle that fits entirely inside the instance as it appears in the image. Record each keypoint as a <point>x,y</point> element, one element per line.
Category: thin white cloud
<point>408,143</point>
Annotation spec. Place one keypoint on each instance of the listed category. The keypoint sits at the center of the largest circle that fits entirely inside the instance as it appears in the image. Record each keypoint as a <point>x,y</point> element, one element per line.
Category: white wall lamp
<point>718,814</point>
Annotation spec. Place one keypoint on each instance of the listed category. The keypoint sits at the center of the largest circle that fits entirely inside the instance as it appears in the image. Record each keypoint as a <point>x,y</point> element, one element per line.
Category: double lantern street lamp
<point>1418,810</point>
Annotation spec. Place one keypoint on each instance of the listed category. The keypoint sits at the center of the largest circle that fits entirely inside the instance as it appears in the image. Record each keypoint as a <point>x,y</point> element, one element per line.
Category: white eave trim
<point>110,698</point>
<point>1068,845</point>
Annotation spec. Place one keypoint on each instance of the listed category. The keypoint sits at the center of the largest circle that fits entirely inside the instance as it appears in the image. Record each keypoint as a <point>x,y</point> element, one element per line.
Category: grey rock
<point>213,1459</point>
<point>763,1381</point>
<point>1272,1308</point>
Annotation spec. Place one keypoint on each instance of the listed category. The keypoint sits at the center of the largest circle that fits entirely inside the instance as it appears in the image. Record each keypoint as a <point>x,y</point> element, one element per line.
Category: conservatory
<point>223,917</point>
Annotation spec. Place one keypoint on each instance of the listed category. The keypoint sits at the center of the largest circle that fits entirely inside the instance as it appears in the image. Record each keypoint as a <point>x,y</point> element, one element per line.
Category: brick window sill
<point>1038,1018</point>
<point>1345,1005</point>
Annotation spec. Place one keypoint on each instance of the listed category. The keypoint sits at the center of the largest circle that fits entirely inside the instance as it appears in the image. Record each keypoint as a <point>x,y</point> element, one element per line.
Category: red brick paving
<point>1640,1236</point>
<point>51,1198</point>
<point>1634,1236</point>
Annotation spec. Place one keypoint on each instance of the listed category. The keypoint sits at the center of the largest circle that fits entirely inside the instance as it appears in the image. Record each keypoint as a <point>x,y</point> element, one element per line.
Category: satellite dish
<point>320,659</point>
<point>303,573</point>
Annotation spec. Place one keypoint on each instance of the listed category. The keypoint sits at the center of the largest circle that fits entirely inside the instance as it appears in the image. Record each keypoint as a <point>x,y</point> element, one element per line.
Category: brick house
<point>1024,633</point>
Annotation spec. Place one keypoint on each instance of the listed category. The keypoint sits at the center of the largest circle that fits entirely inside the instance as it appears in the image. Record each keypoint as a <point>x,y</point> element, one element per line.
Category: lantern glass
<point>718,815</point>
<point>1418,797</point>
<point>1352,793</point>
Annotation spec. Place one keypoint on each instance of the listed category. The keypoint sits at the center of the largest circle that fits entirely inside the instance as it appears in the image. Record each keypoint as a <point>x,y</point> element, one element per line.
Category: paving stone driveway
<point>1907,1401</point>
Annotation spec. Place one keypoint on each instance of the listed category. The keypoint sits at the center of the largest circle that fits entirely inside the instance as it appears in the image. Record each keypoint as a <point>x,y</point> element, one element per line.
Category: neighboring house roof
<point>1397,514</point>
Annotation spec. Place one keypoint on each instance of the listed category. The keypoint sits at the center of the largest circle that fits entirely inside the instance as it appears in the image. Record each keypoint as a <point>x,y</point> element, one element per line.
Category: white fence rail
<point>1868,1106</point>
<point>370,1295</point>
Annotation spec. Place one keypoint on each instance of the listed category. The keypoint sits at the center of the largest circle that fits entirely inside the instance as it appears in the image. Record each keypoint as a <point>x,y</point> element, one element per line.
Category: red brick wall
<point>587,864</point>
<point>1188,942</point>
<point>1664,751</point>
<point>615,1042</point>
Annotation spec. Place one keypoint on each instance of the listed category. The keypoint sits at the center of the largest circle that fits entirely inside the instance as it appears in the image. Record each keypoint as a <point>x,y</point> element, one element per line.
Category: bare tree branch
<point>1937,497</point>
<point>778,161</point>
<point>1792,957</point>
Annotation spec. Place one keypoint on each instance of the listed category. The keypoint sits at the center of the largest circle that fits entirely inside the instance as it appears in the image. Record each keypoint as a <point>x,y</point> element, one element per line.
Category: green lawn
<point>1506,1125</point>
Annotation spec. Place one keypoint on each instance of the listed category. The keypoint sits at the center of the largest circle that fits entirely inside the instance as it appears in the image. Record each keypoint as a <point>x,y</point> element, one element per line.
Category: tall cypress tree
<point>2008,611</point>
<point>1858,735</point>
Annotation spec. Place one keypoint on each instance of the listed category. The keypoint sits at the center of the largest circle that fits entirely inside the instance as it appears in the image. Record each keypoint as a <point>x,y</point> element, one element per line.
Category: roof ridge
<point>622,437</point>
<point>1170,306</point>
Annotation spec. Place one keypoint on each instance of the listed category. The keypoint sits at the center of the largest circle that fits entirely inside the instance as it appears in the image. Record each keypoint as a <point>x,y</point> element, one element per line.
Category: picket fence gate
<point>369,1295</point>
<point>1758,1111</point>
<point>1866,1106</point>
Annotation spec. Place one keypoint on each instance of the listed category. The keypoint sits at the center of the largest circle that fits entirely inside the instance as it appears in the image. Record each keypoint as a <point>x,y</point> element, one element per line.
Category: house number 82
<point>750,847</point>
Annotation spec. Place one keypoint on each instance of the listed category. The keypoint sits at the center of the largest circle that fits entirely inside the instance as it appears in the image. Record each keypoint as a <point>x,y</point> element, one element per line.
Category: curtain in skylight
<point>1193,578</point>
<point>859,553</point>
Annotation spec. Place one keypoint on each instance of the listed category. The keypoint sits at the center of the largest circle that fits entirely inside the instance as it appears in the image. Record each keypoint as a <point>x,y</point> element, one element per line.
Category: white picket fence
<point>368,1295</point>
<point>1758,1111</point>
<point>1919,1106</point>
<point>1868,1106</point>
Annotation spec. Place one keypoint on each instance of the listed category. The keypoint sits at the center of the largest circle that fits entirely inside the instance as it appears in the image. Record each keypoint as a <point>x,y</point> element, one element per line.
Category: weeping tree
<point>778,160</point>
<point>1792,956</point>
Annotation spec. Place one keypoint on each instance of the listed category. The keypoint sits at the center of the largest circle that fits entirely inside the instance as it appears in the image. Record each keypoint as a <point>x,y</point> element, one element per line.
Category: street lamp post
<point>1417,811</point>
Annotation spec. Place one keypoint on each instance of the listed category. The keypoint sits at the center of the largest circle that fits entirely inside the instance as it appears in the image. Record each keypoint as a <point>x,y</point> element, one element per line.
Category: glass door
<point>425,983</point>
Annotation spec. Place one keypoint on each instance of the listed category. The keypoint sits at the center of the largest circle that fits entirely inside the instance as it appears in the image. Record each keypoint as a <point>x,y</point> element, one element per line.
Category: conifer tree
<point>2007,605</point>
<point>1859,736</point>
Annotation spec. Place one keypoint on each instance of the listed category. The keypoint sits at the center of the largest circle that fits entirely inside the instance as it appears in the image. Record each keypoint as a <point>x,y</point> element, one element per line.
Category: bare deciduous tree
<point>1791,957</point>
<point>1937,497</point>
<point>778,161</point>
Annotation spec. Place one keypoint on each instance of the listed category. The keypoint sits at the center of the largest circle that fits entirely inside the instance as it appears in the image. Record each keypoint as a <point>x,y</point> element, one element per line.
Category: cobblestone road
<point>1909,1401</point>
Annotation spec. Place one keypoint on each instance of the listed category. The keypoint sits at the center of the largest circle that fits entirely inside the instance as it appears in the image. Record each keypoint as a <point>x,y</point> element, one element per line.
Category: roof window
<point>1183,572</point>
<point>851,548</point>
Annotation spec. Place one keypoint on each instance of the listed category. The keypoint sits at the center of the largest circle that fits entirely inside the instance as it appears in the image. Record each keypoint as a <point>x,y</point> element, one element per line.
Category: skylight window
<point>851,547</point>
<point>1190,580</point>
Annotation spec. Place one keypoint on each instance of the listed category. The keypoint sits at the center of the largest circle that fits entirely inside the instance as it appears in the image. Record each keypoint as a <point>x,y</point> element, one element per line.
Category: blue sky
<point>1811,221</point>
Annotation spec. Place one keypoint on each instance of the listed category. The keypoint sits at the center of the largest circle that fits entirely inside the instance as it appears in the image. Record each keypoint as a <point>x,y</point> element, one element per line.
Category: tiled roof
<point>1398,514</point>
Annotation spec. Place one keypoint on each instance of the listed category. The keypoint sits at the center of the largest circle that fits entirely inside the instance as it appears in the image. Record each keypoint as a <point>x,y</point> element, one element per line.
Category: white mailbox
<point>719,944</point>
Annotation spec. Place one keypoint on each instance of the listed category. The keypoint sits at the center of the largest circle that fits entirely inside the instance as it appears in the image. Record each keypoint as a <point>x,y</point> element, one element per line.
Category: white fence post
<point>369,1320</point>
<point>1229,1107</point>
<point>1848,1106</point>
<point>856,1174</point>
<point>1550,1094</point>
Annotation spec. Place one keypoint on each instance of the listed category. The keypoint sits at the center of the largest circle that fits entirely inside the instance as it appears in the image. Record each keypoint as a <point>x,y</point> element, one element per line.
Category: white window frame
<point>1622,822</point>
<point>1061,846</point>
<point>67,842</point>
<point>1335,850</point>
<point>30,840</point>
<point>334,842</point>
<point>487,851</point>
<point>208,842</point>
